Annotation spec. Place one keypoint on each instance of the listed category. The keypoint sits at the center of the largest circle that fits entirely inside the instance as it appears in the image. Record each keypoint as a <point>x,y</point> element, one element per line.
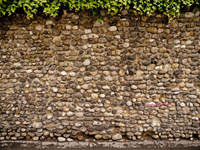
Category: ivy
<point>170,8</point>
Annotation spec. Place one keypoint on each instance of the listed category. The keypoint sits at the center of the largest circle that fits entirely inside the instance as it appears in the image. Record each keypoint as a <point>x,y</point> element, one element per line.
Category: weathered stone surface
<point>189,14</point>
<point>54,89</point>
<point>74,78</point>
<point>112,28</point>
<point>156,122</point>
<point>61,139</point>
<point>155,136</point>
<point>94,96</point>
<point>49,116</point>
<point>70,113</point>
<point>49,22</point>
<point>86,62</point>
<point>37,124</point>
<point>117,136</point>
<point>97,136</point>
<point>124,12</point>
<point>63,73</point>
<point>152,29</point>
<point>39,27</point>
<point>68,27</point>
<point>182,104</point>
<point>129,103</point>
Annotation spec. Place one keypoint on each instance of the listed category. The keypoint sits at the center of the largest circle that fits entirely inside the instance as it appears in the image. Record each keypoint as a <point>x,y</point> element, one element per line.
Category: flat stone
<point>63,73</point>
<point>156,122</point>
<point>35,138</point>
<point>68,27</point>
<point>64,64</point>
<point>39,27</point>
<point>56,39</point>
<point>75,17</point>
<point>102,95</point>
<point>79,114</point>
<point>112,28</point>
<point>84,37</point>
<point>189,14</point>
<point>152,29</point>
<point>2,138</point>
<point>86,62</point>
<point>49,22</point>
<point>87,78</point>
<point>102,40</point>
<point>189,85</point>
<point>72,74</point>
<point>133,87</point>
<point>188,42</point>
<point>154,50</point>
<point>97,23</point>
<point>55,89</point>
<point>151,67</point>
<point>126,45</point>
<point>98,136</point>
<point>155,136</point>
<point>29,71</point>
<point>176,41</point>
<point>66,135</point>
<point>70,140</point>
<point>129,103</point>
<point>94,96</point>
<point>70,113</point>
<point>108,78</point>
<point>117,136</point>
<point>142,86</point>
<point>105,87</point>
<point>177,135</point>
<point>61,139</point>
<point>87,31</point>
<point>192,96</point>
<point>37,125</point>
<point>182,104</point>
<point>49,116</point>
<point>46,133</point>
<point>124,12</point>
<point>85,86</point>
<point>77,124</point>
<point>17,64</point>
<point>74,27</point>
<point>93,36</point>
<point>175,89</point>
<point>197,13</point>
<point>13,27</point>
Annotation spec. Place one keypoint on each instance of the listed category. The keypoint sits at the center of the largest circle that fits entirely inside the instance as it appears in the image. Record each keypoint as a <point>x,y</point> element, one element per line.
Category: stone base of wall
<point>137,145</point>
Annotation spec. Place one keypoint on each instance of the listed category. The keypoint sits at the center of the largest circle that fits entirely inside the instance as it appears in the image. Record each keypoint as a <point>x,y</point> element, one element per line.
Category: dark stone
<point>146,63</point>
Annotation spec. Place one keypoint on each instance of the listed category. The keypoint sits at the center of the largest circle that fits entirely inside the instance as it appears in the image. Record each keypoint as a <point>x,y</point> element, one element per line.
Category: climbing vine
<point>170,8</point>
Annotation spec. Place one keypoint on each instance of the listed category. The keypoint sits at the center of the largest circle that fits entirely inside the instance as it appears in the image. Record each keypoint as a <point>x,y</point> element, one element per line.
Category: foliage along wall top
<point>170,8</point>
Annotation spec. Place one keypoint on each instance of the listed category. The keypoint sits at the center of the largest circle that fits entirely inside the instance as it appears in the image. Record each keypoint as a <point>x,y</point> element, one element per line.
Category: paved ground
<point>145,145</point>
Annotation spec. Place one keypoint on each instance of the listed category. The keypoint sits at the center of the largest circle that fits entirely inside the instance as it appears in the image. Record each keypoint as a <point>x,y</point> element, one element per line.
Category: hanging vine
<point>170,8</point>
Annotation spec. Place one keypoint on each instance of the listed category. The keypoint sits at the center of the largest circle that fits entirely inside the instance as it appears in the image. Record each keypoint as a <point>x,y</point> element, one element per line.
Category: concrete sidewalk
<point>137,145</point>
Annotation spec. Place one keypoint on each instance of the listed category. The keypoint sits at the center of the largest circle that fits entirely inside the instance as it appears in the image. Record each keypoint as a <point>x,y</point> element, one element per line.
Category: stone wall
<point>80,77</point>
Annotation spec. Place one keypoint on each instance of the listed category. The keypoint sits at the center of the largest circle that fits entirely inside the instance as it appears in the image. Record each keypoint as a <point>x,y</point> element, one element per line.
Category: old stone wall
<point>80,77</point>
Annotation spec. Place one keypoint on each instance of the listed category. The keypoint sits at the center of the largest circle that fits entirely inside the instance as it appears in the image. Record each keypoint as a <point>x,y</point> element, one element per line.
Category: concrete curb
<point>78,145</point>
